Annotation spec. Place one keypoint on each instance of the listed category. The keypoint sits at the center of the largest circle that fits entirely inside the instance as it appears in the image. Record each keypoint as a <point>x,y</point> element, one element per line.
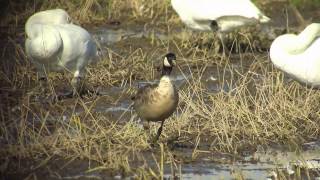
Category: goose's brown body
<point>156,102</point>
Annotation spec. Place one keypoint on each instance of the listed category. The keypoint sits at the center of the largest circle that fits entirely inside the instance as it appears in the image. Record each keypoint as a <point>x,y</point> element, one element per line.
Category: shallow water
<point>108,35</point>
<point>257,165</point>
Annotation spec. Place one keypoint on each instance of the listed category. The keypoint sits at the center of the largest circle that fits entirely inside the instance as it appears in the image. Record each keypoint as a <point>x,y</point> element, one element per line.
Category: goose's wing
<point>44,42</point>
<point>144,93</point>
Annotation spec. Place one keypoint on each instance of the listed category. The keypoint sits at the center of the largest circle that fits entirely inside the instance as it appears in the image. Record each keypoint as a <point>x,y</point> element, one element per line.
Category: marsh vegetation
<point>230,107</point>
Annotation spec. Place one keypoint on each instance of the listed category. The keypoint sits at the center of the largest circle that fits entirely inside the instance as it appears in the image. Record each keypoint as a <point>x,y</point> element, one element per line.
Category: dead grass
<point>258,108</point>
<point>254,104</point>
<point>90,11</point>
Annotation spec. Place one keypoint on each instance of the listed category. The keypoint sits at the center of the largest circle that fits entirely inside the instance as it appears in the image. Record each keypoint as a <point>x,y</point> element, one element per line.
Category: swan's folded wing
<point>45,43</point>
<point>214,9</point>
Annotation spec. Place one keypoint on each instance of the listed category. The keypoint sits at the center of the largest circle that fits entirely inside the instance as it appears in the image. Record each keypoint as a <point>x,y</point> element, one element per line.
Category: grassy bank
<point>255,105</point>
<point>258,108</point>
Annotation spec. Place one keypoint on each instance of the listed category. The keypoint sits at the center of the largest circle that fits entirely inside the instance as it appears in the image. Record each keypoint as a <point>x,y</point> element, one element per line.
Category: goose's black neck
<point>166,71</point>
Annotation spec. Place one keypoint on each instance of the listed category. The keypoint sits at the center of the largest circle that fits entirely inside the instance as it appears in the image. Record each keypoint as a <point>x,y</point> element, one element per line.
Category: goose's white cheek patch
<point>166,62</point>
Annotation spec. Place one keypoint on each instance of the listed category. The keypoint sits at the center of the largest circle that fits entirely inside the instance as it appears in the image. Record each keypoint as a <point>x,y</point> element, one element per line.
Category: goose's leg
<point>159,131</point>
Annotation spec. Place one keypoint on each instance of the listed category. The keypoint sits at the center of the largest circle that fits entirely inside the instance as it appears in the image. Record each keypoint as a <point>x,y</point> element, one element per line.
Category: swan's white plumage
<point>52,16</point>
<point>229,14</point>
<point>299,55</point>
<point>54,44</point>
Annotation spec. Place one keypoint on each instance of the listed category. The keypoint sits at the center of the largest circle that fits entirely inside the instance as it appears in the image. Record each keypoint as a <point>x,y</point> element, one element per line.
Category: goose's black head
<point>168,62</point>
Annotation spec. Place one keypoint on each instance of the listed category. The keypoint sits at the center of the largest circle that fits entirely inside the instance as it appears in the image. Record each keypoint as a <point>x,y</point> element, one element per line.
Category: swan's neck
<point>174,3</point>
<point>298,44</point>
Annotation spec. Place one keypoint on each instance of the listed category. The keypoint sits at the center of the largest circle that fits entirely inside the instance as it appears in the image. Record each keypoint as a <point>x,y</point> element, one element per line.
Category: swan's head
<point>48,17</point>
<point>282,43</point>
<point>52,16</point>
<point>288,45</point>
<point>281,48</point>
<point>313,29</point>
<point>60,16</point>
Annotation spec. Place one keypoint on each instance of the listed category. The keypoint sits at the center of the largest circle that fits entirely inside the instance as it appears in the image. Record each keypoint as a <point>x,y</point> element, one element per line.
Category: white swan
<point>299,55</point>
<point>218,15</point>
<point>54,44</point>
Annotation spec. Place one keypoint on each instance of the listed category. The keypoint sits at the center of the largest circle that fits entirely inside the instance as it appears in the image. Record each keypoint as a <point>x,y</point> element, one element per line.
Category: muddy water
<point>257,165</point>
<point>260,165</point>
